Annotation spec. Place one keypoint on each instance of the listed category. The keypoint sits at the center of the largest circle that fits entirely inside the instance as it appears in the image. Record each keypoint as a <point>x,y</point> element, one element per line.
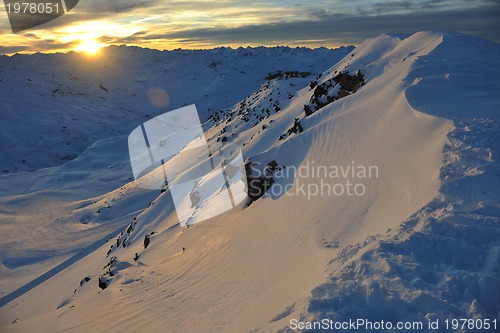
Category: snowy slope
<point>75,100</point>
<point>443,262</point>
<point>423,115</point>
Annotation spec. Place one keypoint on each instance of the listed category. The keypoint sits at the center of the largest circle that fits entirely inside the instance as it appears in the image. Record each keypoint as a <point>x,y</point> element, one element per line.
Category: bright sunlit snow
<point>421,242</point>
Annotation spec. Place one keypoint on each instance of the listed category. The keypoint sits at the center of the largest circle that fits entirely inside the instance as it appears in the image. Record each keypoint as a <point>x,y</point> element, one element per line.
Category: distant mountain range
<point>380,171</point>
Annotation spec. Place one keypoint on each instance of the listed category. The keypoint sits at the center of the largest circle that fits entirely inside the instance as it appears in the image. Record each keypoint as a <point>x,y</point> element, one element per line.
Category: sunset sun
<point>90,47</point>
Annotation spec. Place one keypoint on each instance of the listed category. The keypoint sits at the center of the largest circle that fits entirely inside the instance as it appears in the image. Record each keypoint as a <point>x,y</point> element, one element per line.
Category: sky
<point>165,24</point>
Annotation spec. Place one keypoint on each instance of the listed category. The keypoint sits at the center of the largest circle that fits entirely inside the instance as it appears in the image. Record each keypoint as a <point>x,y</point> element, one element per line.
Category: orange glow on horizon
<point>90,47</point>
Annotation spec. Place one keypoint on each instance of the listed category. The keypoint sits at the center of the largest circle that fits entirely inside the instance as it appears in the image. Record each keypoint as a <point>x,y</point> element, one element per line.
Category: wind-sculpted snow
<point>420,242</point>
<point>444,261</point>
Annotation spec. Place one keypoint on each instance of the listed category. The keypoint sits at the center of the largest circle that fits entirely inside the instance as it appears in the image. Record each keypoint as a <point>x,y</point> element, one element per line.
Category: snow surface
<point>54,106</point>
<point>422,243</point>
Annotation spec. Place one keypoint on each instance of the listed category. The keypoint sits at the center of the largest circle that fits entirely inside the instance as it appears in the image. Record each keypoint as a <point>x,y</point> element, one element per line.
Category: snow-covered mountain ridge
<point>420,243</point>
<point>76,99</point>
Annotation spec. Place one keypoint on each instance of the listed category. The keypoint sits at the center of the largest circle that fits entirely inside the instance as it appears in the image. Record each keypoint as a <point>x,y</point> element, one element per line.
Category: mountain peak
<point>374,170</point>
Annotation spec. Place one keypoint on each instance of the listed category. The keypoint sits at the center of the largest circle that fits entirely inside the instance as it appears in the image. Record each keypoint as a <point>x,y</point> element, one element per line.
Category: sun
<point>90,46</point>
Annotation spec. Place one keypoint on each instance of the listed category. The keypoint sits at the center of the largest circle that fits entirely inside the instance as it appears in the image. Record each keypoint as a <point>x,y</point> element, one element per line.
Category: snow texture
<point>85,249</point>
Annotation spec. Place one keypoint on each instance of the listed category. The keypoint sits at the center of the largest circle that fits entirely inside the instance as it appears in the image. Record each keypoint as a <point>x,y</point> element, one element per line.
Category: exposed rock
<point>325,93</point>
<point>259,182</point>
<point>85,280</point>
<point>295,129</point>
<point>146,241</point>
<point>103,282</point>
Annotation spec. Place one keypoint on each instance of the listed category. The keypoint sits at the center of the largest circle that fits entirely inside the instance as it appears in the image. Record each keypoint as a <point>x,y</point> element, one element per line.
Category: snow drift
<point>422,116</point>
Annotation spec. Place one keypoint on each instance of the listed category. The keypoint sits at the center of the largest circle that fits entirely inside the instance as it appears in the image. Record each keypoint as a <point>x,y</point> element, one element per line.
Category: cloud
<point>36,44</point>
<point>13,49</point>
<point>194,24</point>
<point>481,21</point>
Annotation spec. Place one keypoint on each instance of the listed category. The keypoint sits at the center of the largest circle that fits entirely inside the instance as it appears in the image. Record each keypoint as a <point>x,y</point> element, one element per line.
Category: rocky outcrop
<point>259,181</point>
<point>340,86</point>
